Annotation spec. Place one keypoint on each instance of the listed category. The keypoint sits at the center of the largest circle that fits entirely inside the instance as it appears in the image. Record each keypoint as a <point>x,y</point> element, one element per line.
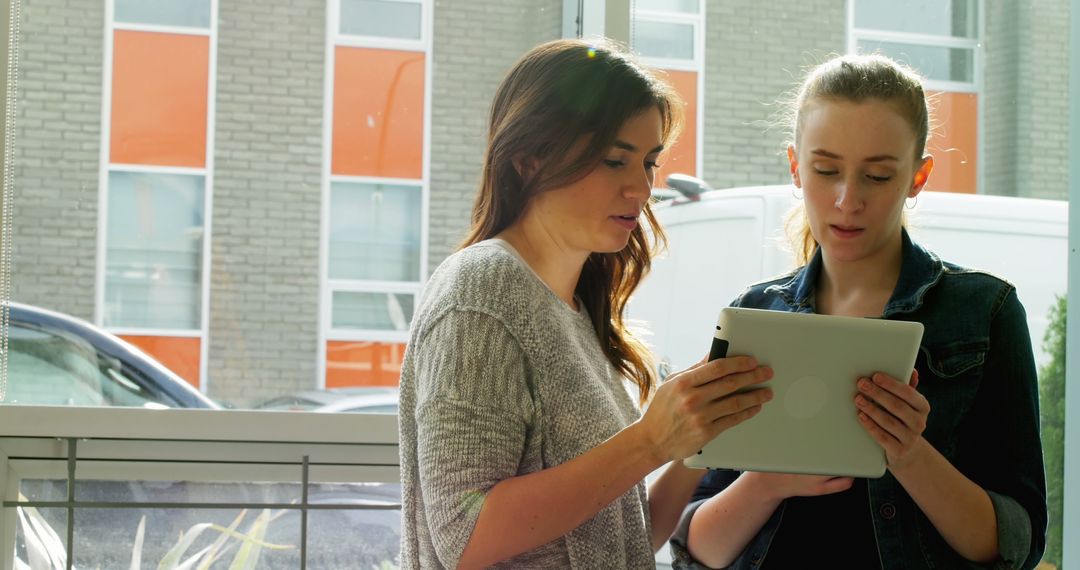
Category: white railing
<point>119,444</point>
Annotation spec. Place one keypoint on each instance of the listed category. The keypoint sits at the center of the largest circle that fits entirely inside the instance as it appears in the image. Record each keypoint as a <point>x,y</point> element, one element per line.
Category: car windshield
<point>48,368</point>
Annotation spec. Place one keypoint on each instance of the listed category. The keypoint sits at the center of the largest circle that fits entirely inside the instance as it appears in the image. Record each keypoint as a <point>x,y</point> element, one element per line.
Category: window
<point>375,189</point>
<point>153,274</point>
<point>372,311</point>
<point>382,18</point>
<point>180,13</point>
<point>664,40</point>
<point>667,30</point>
<point>939,39</point>
<point>155,178</point>
<point>375,231</point>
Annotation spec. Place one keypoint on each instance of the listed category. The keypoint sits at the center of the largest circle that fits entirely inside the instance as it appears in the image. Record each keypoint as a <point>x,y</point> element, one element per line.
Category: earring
<point>794,192</point>
<point>912,203</point>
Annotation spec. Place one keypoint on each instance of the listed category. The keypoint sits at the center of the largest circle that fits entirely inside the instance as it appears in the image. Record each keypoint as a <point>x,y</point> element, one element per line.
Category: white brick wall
<point>264,295</point>
<point>1026,99</point>
<point>268,148</point>
<point>476,43</point>
<point>57,141</point>
<point>1043,128</point>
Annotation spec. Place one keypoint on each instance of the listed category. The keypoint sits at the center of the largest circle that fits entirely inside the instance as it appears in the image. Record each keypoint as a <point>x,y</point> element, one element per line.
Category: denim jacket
<point>977,370</point>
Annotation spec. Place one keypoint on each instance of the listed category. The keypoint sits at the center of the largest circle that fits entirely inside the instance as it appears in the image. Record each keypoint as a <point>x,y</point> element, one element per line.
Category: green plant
<point>45,550</point>
<point>1052,405</point>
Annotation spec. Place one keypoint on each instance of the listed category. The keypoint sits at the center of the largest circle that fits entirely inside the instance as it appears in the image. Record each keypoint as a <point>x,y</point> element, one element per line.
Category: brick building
<point>254,192</point>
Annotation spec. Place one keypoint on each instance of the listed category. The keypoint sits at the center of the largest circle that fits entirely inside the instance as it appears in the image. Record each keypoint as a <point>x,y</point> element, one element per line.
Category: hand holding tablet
<point>813,426</point>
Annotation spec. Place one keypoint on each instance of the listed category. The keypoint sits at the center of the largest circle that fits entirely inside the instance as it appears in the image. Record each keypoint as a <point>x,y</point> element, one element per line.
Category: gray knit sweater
<point>502,378</point>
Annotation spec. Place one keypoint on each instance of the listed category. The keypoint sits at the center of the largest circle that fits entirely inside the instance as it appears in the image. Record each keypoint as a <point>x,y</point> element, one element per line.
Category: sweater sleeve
<point>474,414</point>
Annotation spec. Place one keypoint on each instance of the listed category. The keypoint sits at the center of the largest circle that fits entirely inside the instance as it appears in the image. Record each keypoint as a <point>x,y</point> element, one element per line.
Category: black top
<point>830,531</point>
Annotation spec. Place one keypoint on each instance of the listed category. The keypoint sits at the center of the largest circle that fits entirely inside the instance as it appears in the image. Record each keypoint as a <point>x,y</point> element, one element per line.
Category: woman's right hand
<point>780,486</point>
<point>693,406</point>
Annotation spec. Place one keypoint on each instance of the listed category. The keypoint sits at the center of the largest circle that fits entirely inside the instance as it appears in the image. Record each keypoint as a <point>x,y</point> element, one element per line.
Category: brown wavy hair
<point>854,78</point>
<point>561,93</point>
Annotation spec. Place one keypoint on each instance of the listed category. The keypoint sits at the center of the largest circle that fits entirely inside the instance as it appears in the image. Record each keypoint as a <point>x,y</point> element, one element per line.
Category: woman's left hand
<point>894,414</point>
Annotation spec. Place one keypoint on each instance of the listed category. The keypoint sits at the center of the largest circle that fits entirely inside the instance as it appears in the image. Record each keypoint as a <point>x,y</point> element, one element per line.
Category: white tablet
<point>810,426</point>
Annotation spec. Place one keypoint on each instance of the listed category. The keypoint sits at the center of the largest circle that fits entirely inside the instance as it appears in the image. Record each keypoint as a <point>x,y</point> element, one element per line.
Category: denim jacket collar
<point>919,271</point>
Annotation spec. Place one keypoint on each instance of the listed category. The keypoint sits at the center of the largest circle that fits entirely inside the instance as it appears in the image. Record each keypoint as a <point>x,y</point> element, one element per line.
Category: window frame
<point>369,335</point>
<point>110,17</point>
<point>381,42</point>
<point>855,34</point>
<point>413,184</point>
<point>697,24</point>
<point>1071,499</point>
<point>207,171</point>
<point>327,286</point>
<point>124,330</point>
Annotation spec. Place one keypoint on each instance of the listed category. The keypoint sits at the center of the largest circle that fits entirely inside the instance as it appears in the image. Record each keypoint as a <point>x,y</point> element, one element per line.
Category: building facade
<point>255,192</point>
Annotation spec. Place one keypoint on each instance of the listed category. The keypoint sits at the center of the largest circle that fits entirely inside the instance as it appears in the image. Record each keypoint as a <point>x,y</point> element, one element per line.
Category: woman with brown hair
<point>520,443</point>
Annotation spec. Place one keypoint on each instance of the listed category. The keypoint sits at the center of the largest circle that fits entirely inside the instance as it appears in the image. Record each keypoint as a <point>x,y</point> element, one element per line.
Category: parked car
<point>368,400</point>
<point>723,240</point>
<point>57,359</point>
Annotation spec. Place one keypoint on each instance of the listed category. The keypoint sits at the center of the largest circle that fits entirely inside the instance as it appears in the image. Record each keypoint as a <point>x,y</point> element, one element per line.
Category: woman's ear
<point>794,163</point>
<point>921,176</point>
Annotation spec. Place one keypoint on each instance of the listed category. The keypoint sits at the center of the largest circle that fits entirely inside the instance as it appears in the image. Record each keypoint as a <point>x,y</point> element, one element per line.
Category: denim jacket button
<point>888,511</point>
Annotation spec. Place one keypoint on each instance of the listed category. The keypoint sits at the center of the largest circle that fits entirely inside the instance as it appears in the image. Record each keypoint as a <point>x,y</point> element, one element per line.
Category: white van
<point>729,239</point>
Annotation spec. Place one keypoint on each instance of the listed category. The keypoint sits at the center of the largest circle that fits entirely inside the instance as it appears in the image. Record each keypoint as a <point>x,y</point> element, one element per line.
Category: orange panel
<point>363,363</point>
<point>682,157</point>
<point>954,143</point>
<point>378,113</point>
<point>179,354</point>
<point>159,99</point>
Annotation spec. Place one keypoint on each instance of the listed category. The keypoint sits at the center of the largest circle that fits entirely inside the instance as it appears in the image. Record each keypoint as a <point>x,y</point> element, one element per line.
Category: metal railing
<point>119,444</point>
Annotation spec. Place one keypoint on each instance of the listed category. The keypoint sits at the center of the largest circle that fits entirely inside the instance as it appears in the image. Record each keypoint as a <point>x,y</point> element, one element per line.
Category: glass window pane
<point>354,538</point>
<point>684,6</point>
<point>188,13</point>
<point>153,262</point>
<point>359,537</point>
<point>383,18</point>
<point>364,534</point>
<point>362,364</point>
<point>378,311</point>
<point>664,39</point>
<point>374,232</point>
<point>106,538</point>
<point>937,63</point>
<point>954,18</point>
<point>40,537</point>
